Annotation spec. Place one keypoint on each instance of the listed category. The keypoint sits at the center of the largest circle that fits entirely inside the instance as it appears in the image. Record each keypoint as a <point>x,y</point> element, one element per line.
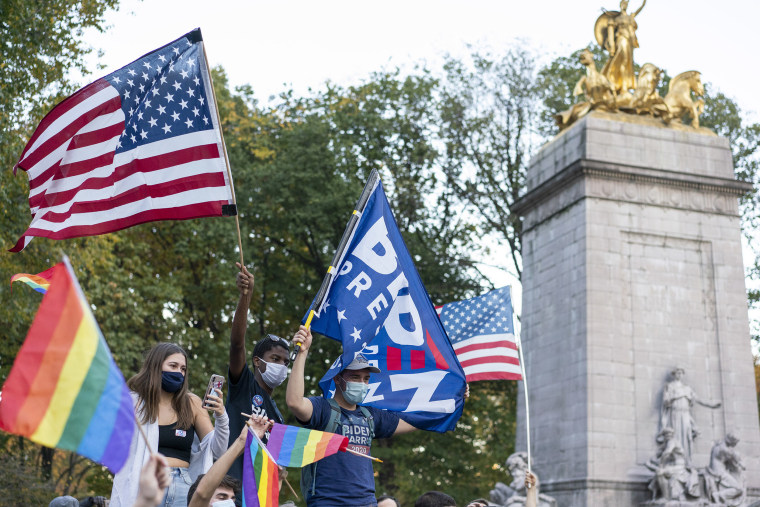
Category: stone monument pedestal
<point>632,265</point>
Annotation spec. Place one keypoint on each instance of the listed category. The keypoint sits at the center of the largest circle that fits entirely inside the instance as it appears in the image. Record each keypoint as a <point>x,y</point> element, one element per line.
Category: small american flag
<point>482,334</point>
<point>140,144</point>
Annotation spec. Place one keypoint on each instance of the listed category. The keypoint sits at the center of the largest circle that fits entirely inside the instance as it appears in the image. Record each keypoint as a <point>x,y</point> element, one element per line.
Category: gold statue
<point>597,89</point>
<point>616,32</point>
<point>679,100</point>
<point>618,90</point>
<point>645,98</point>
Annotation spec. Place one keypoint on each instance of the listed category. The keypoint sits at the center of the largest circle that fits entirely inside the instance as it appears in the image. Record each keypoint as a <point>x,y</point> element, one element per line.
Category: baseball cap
<point>360,363</point>
<point>64,501</point>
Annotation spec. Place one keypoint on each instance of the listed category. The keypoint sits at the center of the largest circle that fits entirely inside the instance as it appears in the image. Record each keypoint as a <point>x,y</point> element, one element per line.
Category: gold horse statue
<point>679,100</point>
<point>645,99</point>
<point>596,88</point>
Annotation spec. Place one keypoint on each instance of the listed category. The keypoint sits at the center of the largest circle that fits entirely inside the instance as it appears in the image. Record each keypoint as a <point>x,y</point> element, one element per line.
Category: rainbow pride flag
<point>291,446</point>
<point>261,477</point>
<point>64,389</point>
<point>39,282</point>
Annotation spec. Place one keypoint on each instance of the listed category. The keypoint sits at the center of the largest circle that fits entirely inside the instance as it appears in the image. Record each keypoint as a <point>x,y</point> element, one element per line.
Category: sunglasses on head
<point>277,339</point>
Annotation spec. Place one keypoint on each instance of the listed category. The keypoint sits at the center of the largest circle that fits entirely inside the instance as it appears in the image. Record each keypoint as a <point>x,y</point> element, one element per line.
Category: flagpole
<point>224,149</point>
<point>344,241</point>
<point>144,436</point>
<point>525,388</point>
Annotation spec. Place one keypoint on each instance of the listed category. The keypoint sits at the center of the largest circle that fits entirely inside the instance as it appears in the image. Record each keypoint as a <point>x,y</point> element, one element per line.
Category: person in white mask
<point>250,390</point>
<point>216,488</point>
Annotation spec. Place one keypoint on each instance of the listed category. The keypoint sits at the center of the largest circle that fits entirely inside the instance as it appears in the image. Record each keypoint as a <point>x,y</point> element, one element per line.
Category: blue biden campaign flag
<point>376,305</point>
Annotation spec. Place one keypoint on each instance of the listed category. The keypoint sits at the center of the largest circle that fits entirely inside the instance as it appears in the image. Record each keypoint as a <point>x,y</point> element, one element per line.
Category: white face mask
<point>224,503</point>
<point>275,374</point>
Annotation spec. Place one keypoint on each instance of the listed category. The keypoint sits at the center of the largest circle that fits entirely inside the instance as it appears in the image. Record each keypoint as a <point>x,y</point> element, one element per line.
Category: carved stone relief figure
<point>514,494</point>
<point>724,478</point>
<point>677,401</point>
<point>673,478</point>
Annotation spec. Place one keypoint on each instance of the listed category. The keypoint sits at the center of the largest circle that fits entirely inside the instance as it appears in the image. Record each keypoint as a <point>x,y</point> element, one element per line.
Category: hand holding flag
<point>376,305</point>
<point>261,476</point>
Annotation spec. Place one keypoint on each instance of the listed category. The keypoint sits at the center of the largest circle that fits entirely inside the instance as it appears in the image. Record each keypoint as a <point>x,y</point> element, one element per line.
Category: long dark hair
<point>147,385</point>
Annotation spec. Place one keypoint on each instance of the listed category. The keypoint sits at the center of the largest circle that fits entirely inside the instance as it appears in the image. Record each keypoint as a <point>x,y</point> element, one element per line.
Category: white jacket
<point>203,454</point>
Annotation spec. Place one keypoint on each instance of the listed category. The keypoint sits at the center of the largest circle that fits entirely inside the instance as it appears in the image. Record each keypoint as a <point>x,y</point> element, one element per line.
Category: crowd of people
<point>181,459</point>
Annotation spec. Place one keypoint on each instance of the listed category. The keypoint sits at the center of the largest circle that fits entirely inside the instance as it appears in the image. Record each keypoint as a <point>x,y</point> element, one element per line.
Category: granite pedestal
<point>632,265</point>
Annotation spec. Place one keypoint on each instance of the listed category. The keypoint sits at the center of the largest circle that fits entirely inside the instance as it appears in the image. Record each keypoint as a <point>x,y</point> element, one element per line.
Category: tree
<point>488,126</point>
<point>42,42</point>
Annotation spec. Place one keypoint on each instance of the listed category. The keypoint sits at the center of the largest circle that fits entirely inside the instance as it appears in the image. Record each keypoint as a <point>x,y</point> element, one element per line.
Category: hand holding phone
<point>214,383</point>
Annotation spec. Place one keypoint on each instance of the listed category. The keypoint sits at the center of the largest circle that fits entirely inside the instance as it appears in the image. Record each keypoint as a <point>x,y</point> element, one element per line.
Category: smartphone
<point>215,382</point>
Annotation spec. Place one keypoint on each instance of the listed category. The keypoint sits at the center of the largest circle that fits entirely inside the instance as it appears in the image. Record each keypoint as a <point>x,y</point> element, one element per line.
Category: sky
<point>275,45</point>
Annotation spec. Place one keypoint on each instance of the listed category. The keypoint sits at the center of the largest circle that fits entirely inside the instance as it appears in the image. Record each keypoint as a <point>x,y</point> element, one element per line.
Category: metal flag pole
<point>527,405</point>
<point>348,234</point>
<point>224,149</point>
<point>525,388</point>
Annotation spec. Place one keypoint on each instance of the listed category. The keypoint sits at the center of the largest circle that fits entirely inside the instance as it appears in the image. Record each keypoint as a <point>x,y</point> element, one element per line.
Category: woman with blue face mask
<point>176,424</point>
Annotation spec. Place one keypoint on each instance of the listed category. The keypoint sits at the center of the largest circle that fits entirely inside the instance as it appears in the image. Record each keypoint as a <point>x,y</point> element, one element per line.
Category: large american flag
<point>141,144</point>
<point>483,336</point>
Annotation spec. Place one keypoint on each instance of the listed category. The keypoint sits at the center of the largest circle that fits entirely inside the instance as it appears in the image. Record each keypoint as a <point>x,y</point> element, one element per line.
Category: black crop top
<point>174,442</point>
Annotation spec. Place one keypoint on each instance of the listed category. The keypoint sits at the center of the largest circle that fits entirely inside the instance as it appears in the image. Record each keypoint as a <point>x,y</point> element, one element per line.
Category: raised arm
<point>639,9</point>
<point>240,323</point>
<point>294,395</point>
<point>219,469</point>
<point>531,490</point>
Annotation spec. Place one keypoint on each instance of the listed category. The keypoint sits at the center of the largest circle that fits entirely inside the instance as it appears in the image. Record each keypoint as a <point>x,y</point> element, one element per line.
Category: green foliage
<point>488,120</point>
<point>452,152</point>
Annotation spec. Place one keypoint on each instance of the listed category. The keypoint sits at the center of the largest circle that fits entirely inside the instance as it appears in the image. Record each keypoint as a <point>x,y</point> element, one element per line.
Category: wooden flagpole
<point>224,149</point>
<point>364,455</point>
<point>144,436</point>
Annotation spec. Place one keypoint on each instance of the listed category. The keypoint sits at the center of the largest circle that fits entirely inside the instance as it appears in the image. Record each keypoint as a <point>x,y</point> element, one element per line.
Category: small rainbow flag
<point>64,389</point>
<point>291,446</point>
<point>261,477</point>
<point>39,282</point>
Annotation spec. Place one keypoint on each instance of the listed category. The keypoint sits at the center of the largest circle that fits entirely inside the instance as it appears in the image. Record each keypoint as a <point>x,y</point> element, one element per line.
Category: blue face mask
<point>355,392</point>
<point>171,381</point>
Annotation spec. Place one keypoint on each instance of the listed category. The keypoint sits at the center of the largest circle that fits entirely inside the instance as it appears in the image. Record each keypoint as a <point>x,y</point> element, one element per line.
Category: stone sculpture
<point>724,478</point>
<point>514,494</point>
<point>677,401</point>
<point>673,479</point>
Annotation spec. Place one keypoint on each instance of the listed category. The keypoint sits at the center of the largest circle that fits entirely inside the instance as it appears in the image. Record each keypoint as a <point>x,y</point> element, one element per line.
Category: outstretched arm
<point>294,394</point>
<point>219,469</point>
<point>244,283</point>
<point>403,427</point>
<point>639,9</point>
<point>707,403</point>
